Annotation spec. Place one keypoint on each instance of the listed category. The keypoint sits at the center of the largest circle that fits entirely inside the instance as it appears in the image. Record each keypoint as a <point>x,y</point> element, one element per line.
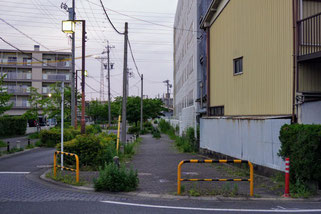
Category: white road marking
<point>14,172</point>
<point>213,209</point>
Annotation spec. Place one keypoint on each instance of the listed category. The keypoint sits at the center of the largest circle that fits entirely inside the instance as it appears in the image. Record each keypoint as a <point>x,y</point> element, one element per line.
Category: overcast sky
<point>152,44</point>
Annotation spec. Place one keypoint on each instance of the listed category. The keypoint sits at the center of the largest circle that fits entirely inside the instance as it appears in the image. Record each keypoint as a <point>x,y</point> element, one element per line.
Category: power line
<point>23,33</point>
<point>102,5</point>
<point>131,52</point>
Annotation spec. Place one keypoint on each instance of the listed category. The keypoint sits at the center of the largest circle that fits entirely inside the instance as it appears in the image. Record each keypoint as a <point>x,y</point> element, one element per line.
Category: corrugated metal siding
<point>310,8</point>
<point>261,32</point>
<point>310,77</point>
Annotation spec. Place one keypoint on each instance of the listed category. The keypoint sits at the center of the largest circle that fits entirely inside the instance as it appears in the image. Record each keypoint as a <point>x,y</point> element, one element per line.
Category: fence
<point>179,179</point>
<point>66,168</point>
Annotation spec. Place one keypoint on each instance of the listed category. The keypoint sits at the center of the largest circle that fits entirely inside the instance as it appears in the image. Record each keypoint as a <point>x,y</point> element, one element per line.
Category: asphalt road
<point>21,191</point>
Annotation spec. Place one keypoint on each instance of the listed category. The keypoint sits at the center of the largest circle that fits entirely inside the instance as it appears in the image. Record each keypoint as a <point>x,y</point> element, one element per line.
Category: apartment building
<point>264,71</point>
<point>26,69</point>
<point>189,63</point>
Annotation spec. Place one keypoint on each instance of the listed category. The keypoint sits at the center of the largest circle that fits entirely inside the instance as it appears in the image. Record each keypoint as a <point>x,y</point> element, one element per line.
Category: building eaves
<point>206,22</point>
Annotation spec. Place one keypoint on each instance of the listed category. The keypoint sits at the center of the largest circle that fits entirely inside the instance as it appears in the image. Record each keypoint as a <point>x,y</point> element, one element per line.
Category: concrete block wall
<point>253,140</point>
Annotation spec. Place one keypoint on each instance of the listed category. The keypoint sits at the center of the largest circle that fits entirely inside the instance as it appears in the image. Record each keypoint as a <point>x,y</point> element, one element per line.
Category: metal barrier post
<point>251,179</point>
<point>77,168</point>
<point>287,178</point>
<point>179,177</point>
<point>118,133</point>
<point>55,164</point>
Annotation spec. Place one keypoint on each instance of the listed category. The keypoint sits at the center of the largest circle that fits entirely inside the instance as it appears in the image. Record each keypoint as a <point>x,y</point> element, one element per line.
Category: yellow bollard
<point>55,164</point>
<point>77,168</point>
<point>179,177</point>
<point>251,179</point>
<point>118,133</point>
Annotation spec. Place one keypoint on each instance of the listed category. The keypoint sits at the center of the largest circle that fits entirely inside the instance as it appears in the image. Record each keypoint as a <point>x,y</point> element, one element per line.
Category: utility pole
<point>141,101</point>
<point>62,124</point>
<point>109,67</point>
<point>124,116</point>
<point>102,82</point>
<point>167,94</point>
<point>83,122</point>
<point>72,16</point>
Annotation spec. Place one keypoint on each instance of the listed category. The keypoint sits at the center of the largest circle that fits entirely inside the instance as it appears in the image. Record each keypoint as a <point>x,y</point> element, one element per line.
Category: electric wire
<point>131,52</point>
<point>102,5</point>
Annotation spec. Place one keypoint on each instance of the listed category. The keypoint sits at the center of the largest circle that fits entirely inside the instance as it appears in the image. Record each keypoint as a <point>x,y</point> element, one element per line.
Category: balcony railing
<point>18,76</point>
<point>310,35</point>
<point>56,77</point>
<point>18,90</point>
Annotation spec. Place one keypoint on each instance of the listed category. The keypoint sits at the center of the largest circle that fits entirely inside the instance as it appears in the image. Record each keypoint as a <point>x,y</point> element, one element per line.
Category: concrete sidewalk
<point>156,162</point>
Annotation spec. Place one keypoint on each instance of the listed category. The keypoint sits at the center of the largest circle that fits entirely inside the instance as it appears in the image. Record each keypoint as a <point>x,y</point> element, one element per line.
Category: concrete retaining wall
<point>253,140</point>
<point>310,113</point>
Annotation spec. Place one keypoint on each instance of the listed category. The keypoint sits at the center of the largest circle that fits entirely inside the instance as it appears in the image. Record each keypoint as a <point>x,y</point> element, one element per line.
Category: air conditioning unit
<point>28,90</point>
<point>28,76</point>
<point>45,90</point>
<point>44,76</point>
<point>67,77</point>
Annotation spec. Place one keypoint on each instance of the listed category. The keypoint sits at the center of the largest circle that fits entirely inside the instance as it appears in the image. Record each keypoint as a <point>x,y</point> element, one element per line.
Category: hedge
<point>50,138</point>
<point>92,150</point>
<point>302,144</point>
<point>11,126</point>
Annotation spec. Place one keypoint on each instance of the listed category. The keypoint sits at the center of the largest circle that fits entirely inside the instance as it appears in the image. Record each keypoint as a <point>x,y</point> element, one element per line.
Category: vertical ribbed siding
<point>310,77</point>
<point>261,32</point>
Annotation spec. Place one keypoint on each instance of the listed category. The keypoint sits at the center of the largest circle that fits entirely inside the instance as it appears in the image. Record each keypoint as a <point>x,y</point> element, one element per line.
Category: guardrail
<point>66,168</point>
<point>180,179</point>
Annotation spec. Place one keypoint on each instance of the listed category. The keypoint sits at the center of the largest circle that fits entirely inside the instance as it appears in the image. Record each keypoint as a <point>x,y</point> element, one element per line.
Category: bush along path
<point>96,154</point>
<point>156,162</point>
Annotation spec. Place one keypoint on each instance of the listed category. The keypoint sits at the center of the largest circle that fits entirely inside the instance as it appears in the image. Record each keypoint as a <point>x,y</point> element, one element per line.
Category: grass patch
<point>34,135</point>
<point>30,146</point>
<point>2,144</point>
<point>65,178</point>
<point>129,150</point>
<point>14,150</point>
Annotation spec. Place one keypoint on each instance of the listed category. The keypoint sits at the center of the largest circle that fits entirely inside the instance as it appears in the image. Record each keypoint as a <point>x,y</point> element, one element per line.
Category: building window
<point>238,66</point>
<point>217,111</point>
<point>12,60</point>
<point>26,61</point>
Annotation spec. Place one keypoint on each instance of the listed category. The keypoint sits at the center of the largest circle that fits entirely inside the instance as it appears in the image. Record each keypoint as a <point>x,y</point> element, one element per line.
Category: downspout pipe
<point>295,62</point>
<point>208,71</point>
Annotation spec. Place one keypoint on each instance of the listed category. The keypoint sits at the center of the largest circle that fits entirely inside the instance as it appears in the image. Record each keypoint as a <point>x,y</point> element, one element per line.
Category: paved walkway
<point>157,160</point>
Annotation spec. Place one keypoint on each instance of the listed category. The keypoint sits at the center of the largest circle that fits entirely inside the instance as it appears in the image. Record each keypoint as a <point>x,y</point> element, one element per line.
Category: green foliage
<point>2,144</point>
<point>185,143</point>
<point>116,179</point>
<point>156,133</point>
<point>302,144</point>
<point>65,178</point>
<point>50,138</point>
<point>93,129</point>
<point>133,130</point>
<point>12,126</point>
<point>4,98</point>
<point>93,151</point>
<point>14,150</point>
<point>34,135</point>
<point>37,101</point>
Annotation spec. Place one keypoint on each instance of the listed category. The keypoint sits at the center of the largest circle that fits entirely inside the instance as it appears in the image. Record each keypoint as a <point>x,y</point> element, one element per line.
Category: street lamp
<point>49,95</point>
<point>68,26</point>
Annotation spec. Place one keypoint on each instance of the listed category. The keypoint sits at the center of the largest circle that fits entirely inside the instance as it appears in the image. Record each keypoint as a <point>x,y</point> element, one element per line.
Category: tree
<point>37,102</point>
<point>4,98</point>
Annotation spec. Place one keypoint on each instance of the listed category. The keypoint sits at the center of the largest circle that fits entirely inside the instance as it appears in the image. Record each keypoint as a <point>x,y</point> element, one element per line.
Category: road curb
<point>168,196</point>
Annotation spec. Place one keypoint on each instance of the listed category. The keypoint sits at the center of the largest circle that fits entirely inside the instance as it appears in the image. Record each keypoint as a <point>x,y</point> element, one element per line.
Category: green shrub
<point>2,144</point>
<point>155,122</point>
<point>302,144</point>
<point>164,126</point>
<point>134,130</point>
<point>93,151</point>
<point>93,129</point>
<point>147,124</point>
<point>11,126</point>
<point>156,133</point>
<point>34,135</point>
<point>116,179</point>
<point>50,138</point>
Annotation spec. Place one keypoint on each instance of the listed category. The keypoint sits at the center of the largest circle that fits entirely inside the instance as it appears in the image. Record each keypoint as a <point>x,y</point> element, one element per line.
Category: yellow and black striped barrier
<point>66,168</point>
<point>180,179</point>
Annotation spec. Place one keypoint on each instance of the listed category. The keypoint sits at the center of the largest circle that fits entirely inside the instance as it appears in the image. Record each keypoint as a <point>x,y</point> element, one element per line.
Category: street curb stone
<point>17,153</point>
<point>167,196</point>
